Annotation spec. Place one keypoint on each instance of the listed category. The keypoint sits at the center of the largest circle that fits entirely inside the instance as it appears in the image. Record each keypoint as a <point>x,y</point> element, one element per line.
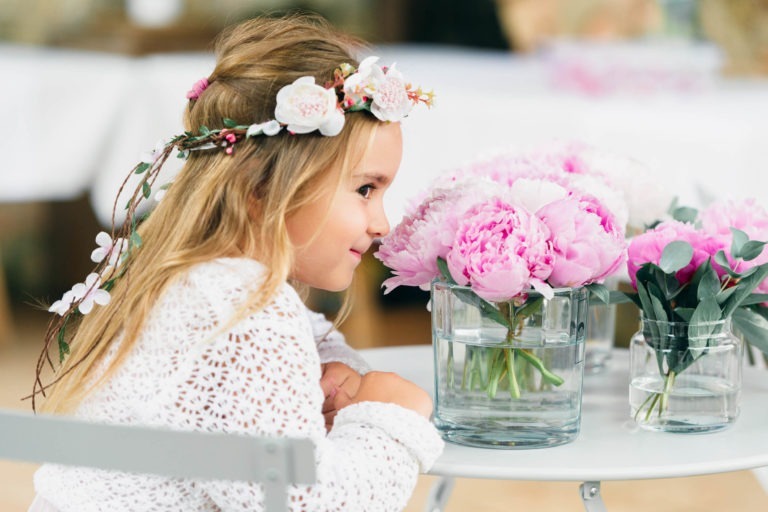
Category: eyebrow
<point>375,177</point>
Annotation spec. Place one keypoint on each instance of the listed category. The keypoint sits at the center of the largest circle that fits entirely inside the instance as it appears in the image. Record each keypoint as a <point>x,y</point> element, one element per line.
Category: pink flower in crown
<point>648,247</point>
<point>305,107</point>
<point>588,246</point>
<point>500,251</point>
<point>197,89</point>
<point>748,216</point>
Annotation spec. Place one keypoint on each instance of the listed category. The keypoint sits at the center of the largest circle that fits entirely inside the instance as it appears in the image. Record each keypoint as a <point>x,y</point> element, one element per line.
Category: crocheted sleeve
<point>261,377</point>
<point>331,344</point>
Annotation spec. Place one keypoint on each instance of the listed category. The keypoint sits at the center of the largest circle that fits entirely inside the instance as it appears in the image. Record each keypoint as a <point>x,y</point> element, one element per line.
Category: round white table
<point>609,446</point>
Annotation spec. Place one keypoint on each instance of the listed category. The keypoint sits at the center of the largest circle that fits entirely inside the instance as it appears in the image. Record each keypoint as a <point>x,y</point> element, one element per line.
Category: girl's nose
<point>379,225</point>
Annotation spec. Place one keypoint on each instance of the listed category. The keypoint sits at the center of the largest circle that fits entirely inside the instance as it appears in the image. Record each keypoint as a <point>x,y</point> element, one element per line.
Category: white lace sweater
<point>259,377</point>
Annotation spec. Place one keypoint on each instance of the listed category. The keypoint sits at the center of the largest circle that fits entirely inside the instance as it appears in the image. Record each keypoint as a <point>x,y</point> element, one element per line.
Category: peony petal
<point>333,125</point>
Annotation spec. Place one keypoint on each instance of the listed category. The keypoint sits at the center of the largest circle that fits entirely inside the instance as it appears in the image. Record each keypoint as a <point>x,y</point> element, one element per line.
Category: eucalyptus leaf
<point>618,297</point>
<point>146,190</point>
<point>754,298</point>
<point>744,289</point>
<point>722,260</point>
<point>685,314</point>
<point>487,309</point>
<point>141,168</point>
<point>685,214</point>
<point>724,295</point>
<point>737,242</point>
<point>204,131</point>
<point>703,324</point>
<point>709,286</point>
<point>751,250</point>
<point>599,292</point>
<point>676,255</point>
<point>229,123</point>
<point>136,240</point>
<point>753,326</point>
<point>442,266</point>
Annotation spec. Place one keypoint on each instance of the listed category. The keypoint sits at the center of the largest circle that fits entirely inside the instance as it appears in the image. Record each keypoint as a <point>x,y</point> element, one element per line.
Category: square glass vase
<point>509,374</point>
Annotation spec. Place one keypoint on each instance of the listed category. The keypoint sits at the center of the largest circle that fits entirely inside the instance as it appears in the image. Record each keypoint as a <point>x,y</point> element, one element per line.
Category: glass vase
<point>600,333</point>
<point>685,377</point>
<point>508,374</point>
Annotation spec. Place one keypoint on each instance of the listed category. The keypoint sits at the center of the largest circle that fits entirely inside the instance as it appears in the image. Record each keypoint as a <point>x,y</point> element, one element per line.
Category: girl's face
<point>331,234</point>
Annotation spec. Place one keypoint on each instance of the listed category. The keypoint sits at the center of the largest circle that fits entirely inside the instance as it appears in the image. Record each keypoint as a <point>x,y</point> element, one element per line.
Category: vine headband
<point>302,107</point>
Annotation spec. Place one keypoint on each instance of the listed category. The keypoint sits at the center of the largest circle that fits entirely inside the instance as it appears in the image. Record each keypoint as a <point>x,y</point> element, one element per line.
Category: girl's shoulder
<point>228,282</point>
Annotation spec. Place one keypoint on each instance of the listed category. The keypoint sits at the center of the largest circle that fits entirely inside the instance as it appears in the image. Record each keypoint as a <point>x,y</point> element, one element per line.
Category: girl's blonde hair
<point>221,204</point>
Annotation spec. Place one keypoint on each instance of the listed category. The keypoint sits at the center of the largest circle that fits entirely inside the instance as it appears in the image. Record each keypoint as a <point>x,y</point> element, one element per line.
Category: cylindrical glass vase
<point>685,377</point>
<point>600,333</point>
<point>508,374</point>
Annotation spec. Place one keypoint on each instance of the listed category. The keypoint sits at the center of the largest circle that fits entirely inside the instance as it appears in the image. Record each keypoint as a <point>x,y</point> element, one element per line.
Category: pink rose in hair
<point>748,216</point>
<point>587,244</point>
<point>197,89</point>
<point>647,248</point>
<point>500,251</point>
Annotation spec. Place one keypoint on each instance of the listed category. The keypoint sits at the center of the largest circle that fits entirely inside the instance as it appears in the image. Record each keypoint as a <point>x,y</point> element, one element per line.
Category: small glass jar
<point>685,377</point>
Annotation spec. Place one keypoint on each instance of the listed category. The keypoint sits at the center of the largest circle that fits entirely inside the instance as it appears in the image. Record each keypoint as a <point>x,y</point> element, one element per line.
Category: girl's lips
<point>355,253</point>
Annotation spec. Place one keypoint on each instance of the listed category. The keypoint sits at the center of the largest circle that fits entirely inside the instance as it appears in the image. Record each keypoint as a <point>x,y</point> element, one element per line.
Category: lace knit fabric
<point>259,377</point>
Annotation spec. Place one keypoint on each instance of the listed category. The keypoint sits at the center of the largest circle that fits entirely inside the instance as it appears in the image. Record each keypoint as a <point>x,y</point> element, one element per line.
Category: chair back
<point>273,461</point>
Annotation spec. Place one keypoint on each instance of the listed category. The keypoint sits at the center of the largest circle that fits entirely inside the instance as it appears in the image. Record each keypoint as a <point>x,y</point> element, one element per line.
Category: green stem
<point>668,383</point>
<point>536,363</point>
<point>514,387</point>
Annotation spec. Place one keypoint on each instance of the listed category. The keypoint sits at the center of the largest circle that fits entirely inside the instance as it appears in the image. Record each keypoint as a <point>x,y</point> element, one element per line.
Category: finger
<point>341,400</point>
<point>327,384</point>
<point>328,403</point>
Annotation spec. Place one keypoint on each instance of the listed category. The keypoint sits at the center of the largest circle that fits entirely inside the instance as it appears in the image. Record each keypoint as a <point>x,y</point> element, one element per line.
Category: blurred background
<point>680,86</point>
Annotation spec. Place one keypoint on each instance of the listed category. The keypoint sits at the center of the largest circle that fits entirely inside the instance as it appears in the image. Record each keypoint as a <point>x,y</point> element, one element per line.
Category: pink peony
<point>588,245</point>
<point>412,248</point>
<point>748,216</point>
<point>501,251</point>
<point>647,248</point>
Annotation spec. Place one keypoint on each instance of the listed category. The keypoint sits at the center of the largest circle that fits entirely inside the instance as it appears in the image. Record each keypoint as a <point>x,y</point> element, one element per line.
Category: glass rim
<point>528,291</point>
<point>722,321</point>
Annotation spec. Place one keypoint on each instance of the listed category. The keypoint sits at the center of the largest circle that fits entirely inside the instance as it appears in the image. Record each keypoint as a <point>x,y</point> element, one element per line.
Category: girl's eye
<point>366,191</point>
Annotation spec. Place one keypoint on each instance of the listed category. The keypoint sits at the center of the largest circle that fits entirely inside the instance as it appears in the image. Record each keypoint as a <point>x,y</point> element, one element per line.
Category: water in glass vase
<point>493,395</point>
<point>696,403</point>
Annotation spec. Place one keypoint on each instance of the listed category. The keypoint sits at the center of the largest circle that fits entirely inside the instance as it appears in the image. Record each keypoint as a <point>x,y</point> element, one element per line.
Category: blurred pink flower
<point>500,251</point>
<point>748,216</point>
<point>587,244</point>
<point>647,247</point>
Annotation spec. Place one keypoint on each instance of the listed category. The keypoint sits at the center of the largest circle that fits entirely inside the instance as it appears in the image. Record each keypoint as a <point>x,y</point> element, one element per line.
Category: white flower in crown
<point>108,248</point>
<point>386,90</point>
<point>61,306</point>
<point>305,106</point>
<point>89,293</point>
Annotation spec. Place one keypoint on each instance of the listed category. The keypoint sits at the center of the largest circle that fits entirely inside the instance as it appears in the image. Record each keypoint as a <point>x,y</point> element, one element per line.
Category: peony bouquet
<point>692,275</point>
<point>510,228</point>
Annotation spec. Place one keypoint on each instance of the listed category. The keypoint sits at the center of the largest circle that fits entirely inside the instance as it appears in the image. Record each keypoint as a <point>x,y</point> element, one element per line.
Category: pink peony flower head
<point>587,244</point>
<point>648,247</point>
<point>500,251</point>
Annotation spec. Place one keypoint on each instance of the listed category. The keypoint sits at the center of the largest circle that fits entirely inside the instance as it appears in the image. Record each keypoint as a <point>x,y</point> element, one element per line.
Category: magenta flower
<point>647,248</point>
<point>500,251</point>
<point>587,244</point>
<point>197,89</point>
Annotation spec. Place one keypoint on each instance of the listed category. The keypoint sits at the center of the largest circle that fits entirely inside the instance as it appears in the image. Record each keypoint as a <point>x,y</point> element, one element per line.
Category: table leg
<point>439,494</point>
<point>590,495</point>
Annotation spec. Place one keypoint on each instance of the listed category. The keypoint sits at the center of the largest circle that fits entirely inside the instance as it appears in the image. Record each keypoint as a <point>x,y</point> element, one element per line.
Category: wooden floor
<point>737,492</point>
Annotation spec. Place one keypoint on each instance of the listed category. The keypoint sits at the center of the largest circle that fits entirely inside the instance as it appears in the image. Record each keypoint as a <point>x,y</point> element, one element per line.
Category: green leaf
<point>142,168</point>
<point>744,289</point>
<point>531,306</point>
<point>709,286</point>
<point>146,190</point>
<point>205,131</point>
<point>722,260</point>
<point>229,123</point>
<point>487,309</point>
<point>753,326</point>
<point>442,266</point>
<point>737,242</point>
<point>685,214</point>
<point>751,250</point>
<point>618,297</point>
<point>754,298</point>
<point>599,292</point>
<point>724,295</point>
<point>703,324</point>
<point>685,314</point>
<point>676,255</point>
<point>136,240</point>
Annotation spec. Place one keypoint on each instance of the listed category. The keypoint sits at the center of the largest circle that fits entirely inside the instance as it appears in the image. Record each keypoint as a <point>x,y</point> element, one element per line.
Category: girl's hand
<point>389,388</point>
<point>337,377</point>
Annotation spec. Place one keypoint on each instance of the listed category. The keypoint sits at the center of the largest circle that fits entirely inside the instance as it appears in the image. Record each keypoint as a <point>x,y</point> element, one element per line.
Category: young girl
<point>189,322</point>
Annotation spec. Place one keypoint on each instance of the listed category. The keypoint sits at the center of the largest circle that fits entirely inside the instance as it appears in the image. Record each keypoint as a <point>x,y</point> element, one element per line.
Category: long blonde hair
<point>221,204</point>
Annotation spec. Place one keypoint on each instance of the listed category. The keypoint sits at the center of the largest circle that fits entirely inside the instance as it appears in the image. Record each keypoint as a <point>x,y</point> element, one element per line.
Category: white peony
<point>305,106</point>
<point>390,98</point>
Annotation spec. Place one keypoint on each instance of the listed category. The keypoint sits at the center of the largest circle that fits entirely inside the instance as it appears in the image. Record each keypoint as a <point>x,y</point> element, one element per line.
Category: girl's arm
<point>261,378</point>
<point>331,344</point>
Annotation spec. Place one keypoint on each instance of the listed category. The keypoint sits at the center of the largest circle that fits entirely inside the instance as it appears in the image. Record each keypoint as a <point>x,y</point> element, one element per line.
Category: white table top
<point>609,446</point>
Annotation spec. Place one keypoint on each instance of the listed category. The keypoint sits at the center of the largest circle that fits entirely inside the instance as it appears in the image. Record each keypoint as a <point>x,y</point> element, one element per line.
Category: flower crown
<point>302,107</point>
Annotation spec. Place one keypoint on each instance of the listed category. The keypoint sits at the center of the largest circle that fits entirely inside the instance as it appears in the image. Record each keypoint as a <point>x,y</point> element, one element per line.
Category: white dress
<point>191,369</point>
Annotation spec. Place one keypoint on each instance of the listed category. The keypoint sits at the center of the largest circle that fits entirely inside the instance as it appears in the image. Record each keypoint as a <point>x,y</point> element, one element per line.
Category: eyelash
<point>366,190</point>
